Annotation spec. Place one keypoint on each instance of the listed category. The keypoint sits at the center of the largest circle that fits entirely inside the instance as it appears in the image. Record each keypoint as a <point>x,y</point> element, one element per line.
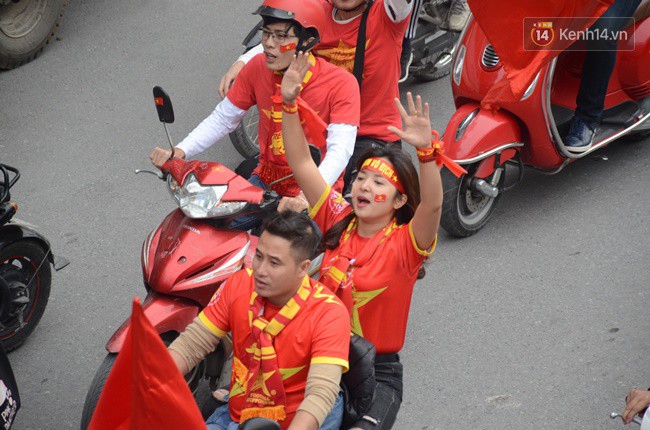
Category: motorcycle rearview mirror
<point>165,112</point>
<point>163,105</point>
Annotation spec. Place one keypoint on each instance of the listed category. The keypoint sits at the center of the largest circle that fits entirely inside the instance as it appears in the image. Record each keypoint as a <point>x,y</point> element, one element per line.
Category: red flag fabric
<point>145,390</point>
<point>505,23</point>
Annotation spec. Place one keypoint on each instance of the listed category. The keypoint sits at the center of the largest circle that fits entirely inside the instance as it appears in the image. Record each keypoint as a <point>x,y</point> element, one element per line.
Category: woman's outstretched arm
<point>417,132</point>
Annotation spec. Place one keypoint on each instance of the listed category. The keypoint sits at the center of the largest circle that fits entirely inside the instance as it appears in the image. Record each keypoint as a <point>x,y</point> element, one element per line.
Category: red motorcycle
<point>529,133</point>
<point>191,253</point>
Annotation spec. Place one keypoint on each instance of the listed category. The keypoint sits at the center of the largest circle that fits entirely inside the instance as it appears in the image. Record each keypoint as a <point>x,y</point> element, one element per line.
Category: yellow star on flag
<point>362,298</point>
<point>341,56</point>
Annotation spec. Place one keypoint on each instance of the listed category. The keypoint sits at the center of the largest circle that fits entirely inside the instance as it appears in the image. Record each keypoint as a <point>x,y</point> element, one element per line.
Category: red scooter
<point>529,133</point>
<point>191,253</point>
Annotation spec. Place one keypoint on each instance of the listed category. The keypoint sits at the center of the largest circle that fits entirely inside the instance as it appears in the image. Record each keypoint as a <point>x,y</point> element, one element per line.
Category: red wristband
<point>290,108</point>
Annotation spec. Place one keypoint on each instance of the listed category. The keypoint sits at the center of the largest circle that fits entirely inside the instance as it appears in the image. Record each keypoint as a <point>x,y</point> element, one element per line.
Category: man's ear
<point>303,268</point>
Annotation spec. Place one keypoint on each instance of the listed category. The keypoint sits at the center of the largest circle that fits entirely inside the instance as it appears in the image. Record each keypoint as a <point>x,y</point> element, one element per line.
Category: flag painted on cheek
<point>288,47</point>
<point>380,197</point>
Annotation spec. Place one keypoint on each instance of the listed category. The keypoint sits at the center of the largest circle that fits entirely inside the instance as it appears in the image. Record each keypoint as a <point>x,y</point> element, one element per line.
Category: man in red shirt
<point>330,100</point>
<point>290,335</point>
<point>385,28</point>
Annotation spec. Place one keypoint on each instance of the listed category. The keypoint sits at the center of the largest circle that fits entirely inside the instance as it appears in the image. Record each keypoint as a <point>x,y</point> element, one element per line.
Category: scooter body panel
<point>633,62</point>
<point>473,131</point>
<point>166,314</point>
<point>191,258</point>
<point>630,82</point>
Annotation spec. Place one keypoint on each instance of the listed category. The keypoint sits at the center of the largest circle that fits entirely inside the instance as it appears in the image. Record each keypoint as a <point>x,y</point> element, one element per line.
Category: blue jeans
<point>220,419</point>
<point>246,222</point>
<point>600,60</point>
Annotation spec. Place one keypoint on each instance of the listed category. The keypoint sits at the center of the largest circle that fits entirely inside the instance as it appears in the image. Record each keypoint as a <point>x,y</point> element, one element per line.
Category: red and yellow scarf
<point>265,396</point>
<point>337,275</point>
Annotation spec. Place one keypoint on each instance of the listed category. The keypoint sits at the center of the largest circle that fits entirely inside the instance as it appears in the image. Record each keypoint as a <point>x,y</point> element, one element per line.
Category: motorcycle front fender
<point>15,231</point>
<point>166,314</point>
<point>475,134</point>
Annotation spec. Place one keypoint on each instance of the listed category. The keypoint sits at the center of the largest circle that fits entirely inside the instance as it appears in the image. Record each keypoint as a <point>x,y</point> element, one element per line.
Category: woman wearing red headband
<point>375,246</point>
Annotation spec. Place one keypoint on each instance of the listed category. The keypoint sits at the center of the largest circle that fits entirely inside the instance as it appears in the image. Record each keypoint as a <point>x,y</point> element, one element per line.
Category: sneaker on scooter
<point>458,15</point>
<point>580,136</point>
<point>405,60</point>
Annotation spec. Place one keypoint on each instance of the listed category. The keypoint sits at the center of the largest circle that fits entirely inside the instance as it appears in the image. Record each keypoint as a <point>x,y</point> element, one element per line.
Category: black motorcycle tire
<point>429,72</point>
<point>25,28</point>
<point>18,264</point>
<point>98,382</point>
<point>459,218</point>
<point>244,137</point>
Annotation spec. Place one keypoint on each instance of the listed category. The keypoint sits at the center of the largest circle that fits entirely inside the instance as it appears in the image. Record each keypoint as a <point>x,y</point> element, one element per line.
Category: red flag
<point>145,390</point>
<point>504,23</point>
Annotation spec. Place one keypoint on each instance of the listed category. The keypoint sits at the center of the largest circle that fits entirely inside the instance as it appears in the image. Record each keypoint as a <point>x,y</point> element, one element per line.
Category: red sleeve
<point>216,315</point>
<point>330,209</point>
<point>331,337</point>
<point>242,93</point>
<point>410,254</point>
<point>346,101</point>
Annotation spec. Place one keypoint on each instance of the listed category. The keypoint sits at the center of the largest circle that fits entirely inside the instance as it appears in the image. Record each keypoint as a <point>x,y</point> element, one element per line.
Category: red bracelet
<point>290,108</point>
<point>426,155</point>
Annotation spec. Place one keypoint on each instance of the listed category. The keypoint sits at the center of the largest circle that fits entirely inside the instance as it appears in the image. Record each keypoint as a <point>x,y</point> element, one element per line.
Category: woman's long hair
<point>407,175</point>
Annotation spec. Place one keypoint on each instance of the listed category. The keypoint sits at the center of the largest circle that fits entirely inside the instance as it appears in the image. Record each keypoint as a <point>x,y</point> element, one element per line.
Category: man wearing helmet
<point>387,21</point>
<point>329,99</point>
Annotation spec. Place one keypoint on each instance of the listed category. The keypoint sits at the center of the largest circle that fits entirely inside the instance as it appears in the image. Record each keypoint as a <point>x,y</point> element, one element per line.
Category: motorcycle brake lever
<point>615,415</point>
<point>159,174</point>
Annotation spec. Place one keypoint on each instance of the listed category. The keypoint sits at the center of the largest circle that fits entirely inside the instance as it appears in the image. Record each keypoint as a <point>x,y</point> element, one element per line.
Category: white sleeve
<point>340,146</point>
<point>224,119</point>
<point>398,10</point>
<point>248,55</point>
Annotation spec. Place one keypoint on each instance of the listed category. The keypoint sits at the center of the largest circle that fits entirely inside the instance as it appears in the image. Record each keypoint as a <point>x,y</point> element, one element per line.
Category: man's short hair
<point>298,229</point>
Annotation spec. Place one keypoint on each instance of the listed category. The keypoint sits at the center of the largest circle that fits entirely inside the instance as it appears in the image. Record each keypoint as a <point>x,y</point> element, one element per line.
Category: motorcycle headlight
<point>173,187</point>
<point>458,66</point>
<point>203,201</point>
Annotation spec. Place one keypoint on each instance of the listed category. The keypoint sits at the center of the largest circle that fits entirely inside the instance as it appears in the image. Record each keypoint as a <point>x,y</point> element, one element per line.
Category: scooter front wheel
<point>464,210</point>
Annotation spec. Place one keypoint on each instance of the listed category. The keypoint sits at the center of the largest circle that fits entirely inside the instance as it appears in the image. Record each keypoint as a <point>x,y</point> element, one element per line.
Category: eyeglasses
<point>278,37</point>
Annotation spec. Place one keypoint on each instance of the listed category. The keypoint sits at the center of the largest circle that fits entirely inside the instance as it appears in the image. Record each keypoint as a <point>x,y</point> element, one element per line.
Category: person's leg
<point>597,68</point>
<point>388,398</point>
<point>334,419</point>
<point>407,51</point>
<point>600,60</point>
<point>220,420</point>
<point>246,222</point>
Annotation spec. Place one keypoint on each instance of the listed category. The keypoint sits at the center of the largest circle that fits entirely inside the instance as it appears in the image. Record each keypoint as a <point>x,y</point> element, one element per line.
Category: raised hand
<point>294,76</point>
<point>416,124</point>
<point>229,78</point>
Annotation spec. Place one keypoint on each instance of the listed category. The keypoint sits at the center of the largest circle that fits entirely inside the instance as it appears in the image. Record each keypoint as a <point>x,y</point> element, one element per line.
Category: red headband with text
<point>385,169</point>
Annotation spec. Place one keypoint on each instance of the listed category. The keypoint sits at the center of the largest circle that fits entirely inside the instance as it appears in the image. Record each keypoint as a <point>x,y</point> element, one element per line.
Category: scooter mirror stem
<point>169,138</point>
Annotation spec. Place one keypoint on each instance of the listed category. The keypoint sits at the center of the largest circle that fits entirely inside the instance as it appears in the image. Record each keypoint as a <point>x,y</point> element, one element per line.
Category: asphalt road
<point>537,322</point>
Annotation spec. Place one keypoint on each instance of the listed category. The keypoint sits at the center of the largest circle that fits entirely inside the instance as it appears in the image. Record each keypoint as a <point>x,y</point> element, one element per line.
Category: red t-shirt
<point>381,65</point>
<point>382,288</point>
<point>328,90</point>
<point>319,333</point>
